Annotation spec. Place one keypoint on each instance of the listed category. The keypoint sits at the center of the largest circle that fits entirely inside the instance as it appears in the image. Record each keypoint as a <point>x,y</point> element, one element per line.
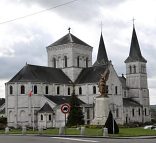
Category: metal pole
<point>65,124</point>
<point>33,118</point>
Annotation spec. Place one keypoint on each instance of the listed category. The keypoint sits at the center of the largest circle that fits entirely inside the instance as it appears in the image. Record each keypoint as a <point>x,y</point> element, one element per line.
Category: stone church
<point>70,68</point>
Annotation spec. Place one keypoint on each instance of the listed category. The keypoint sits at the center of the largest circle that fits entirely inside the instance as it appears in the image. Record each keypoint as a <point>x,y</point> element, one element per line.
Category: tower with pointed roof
<point>70,54</point>
<point>136,77</point>
<point>102,58</point>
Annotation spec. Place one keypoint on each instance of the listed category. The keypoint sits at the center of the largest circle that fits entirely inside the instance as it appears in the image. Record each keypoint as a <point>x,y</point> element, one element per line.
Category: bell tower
<point>136,76</point>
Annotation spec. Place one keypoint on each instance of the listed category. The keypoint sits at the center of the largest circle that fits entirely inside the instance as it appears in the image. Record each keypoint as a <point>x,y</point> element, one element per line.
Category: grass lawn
<point>123,132</point>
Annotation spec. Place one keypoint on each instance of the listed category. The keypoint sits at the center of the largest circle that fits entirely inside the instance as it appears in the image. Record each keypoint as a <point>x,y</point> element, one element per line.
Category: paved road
<point>37,139</point>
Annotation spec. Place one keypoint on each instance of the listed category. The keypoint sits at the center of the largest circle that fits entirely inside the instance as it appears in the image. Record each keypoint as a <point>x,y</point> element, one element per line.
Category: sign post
<point>65,109</point>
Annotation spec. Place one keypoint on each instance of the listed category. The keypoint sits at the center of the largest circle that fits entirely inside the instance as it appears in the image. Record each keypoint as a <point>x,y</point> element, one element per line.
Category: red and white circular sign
<point>65,108</point>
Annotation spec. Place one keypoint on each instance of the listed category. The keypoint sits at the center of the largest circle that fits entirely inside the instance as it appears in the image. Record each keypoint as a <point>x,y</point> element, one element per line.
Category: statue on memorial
<point>102,83</point>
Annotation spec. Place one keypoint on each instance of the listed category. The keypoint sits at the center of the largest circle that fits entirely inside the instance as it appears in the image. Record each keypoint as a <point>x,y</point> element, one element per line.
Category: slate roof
<point>2,101</point>
<point>40,74</point>
<point>102,58</point>
<point>61,99</point>
<point>127,102</point>
<point>135,52</point>
<point>46,108</point>
<point>90,75</point>
<point>69,38</point>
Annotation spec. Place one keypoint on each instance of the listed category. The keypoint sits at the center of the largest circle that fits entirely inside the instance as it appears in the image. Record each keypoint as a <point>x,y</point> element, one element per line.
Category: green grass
<point>123,132</point>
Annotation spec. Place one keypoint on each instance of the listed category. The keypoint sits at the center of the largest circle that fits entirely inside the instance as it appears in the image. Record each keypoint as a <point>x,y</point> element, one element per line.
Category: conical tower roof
<point>135,52</point>
<point>102,58</point>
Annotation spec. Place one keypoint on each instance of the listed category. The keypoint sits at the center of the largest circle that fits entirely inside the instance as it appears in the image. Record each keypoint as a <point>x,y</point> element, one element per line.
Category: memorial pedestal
<point>101,110</point>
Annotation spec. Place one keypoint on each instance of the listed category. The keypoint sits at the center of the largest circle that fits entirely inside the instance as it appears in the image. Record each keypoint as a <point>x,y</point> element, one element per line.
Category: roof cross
<point>133,20</point>
<point>69,29</point>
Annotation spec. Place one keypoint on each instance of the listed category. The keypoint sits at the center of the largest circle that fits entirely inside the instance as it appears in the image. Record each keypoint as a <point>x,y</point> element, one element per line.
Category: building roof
<point>40,74</point>
<point>127,102</point>
<point>69,38</point>
<point>102,58</point>
<point>123,81</point>
<point>61,99</point>
<point>2,101</point>
<point>46,108</point>
<point>135,52</point>
<point>91,74</point>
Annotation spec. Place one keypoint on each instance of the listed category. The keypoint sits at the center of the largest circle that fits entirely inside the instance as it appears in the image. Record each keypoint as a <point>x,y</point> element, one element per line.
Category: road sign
<point>65,108</point>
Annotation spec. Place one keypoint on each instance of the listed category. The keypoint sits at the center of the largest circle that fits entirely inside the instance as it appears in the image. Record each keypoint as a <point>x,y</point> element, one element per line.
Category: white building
<point>70,66</point>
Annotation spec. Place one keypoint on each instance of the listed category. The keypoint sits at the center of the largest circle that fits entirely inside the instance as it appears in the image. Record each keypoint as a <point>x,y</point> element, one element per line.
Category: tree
<point>75,116</point>
<point>109,124</point>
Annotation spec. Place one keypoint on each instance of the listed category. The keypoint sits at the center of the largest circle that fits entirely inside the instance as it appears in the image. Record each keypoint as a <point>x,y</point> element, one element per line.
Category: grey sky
<point>25,40</point>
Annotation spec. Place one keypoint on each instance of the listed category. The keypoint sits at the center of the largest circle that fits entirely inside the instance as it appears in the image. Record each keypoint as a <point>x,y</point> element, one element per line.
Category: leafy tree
<point>75,116</point>
<point>109,124</point>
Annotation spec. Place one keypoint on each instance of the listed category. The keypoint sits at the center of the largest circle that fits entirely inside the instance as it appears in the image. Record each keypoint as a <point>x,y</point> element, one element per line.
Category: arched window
<point>80,91</point>
<point>86,62</point>
<point>35,89</point>
<point>139,112</point>
<point>41,117</point>
<point>78,61</point>
<point>94,89</point>
<point>54,62</point>
<point>65,61</point>
<point>68,90</point>
<point>134,69</point>
<point>133,112</point>
<point>130,69</point>
<point>116,90</point>
<point>46,90</point>
<point>22,89</point>
<point>58,90</point>
<point>11,90</point>
<point>145,112</point>
<point>49,117</point>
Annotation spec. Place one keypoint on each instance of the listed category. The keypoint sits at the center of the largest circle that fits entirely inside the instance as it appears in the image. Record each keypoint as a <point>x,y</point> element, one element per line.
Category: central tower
<point>70,54</point>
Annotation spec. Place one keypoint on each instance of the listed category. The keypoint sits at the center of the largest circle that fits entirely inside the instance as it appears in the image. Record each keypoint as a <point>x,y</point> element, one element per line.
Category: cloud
<point>28,46</point>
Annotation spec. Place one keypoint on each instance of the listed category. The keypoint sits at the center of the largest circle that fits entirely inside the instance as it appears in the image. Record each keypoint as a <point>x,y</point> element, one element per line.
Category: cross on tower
<point>133,20</point>
<point>69,29</point>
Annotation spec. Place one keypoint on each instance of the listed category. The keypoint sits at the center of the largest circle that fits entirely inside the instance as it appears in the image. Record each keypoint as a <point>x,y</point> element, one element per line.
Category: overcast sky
<point>25,40</point>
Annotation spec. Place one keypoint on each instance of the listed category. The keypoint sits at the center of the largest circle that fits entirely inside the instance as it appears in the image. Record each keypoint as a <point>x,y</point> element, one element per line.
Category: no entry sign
<point>65,108</point>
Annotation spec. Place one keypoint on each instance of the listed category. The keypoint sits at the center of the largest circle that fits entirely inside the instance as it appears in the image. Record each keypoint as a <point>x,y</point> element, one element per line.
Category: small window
<point>65,61</point>
<point>58,90</point>
<point>49,117</point>
<point>107,90</point>
<point>94,89</point>
<point>133,112</point>
<point>78,61</point>
<point>139,112</point>
<point>134,69</point>
<point>130,69</point>
<point>22,89</point>
<point>117,112</point>
<point>54,62</point>
<point>116,90</point>
<point>41,117</point>
<point>145,112</point>
<point>35,89</point>
<point>11,90</point>
<point>68,90</point>
<point>86,62</point>
<point>80,91</point>
<point>46,90</point>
